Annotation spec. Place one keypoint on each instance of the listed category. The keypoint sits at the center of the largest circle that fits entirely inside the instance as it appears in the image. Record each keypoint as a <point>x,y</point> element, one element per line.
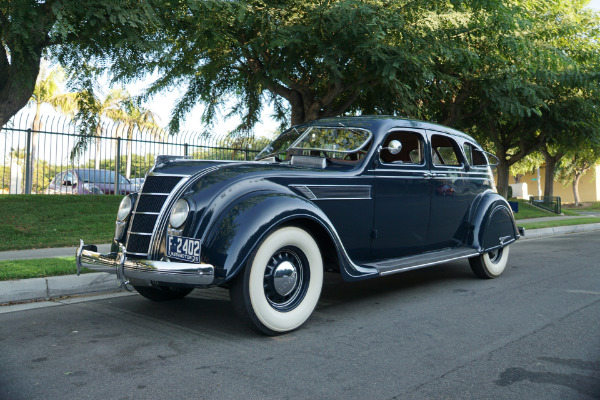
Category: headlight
<point>179,214</point>
<point>125,208</point>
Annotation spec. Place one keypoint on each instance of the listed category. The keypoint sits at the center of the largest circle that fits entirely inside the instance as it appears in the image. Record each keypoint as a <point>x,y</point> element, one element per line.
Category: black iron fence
<point>549,203</point>
<point>32,158</point>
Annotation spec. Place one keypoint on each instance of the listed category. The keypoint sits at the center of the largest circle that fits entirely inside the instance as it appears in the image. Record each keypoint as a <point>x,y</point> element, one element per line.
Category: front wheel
<point>491,264</point>
<point>163,293</point>
<point>281,284</point>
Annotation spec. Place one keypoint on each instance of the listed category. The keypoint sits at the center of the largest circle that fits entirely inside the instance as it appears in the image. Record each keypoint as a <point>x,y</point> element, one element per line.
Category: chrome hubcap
<point>285,278</point>
<point>495,255</point>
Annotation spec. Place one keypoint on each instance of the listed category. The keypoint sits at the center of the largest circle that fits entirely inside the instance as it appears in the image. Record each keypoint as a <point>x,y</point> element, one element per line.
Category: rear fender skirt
<point>236,233</point>
<point>493,224</point>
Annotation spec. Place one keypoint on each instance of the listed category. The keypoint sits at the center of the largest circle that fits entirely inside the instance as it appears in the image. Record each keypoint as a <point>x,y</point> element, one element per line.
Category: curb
<point>24,290</point>
<point>560,230</point>
<point>56,286</point>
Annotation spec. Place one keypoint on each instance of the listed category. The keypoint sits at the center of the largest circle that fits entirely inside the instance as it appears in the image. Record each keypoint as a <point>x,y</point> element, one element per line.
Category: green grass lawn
<point>41,221</point>
<point>38,268</point>
<point>588,206</point>
<point>527,211</point>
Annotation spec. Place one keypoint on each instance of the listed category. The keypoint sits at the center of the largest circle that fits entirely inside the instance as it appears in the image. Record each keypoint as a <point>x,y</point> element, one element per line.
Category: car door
<point>451,193</point>
<point>401,196</point>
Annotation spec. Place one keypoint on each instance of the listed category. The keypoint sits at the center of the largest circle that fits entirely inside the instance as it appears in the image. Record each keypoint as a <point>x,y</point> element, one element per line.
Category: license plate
<point>182,248</point>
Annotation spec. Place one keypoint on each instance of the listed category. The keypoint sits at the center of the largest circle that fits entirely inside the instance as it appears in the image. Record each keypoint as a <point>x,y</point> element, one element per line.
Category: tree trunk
<point>503,175</point>
<point>576,189</point>
<point>17,82</point>
<point>551,162</point>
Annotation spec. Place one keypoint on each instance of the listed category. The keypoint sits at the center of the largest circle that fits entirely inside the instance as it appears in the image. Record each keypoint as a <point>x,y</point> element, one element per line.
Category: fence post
<point>118,166</point>
<point>185,149</point>
<point>28,164</point>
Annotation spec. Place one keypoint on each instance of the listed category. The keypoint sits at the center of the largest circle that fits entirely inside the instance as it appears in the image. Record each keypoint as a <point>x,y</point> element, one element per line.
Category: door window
<point>475,157</point>
<point>445,151</point>
<point>411,150</point>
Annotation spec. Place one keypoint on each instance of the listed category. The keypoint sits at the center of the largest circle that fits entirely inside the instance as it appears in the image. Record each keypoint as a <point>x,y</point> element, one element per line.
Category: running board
<point>402,264</point>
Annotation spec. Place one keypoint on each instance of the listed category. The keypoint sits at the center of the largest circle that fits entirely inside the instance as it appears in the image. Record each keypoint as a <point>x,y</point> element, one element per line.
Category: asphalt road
<point>437,333</point>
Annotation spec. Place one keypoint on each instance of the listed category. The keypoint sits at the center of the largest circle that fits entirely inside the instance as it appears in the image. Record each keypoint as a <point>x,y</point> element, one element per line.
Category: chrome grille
<point>151,199</point>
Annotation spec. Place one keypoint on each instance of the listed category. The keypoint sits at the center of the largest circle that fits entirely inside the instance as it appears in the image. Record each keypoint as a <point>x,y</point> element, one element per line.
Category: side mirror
<point>394,147</point>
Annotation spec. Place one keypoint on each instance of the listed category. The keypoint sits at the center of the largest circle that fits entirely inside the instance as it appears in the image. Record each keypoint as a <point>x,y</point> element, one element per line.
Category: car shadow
<point>209,311</point>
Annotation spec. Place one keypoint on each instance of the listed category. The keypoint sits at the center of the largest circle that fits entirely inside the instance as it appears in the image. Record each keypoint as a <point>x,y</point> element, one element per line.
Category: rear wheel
<point>281,284</point>
<point>163,293</point>
<point>491,264</point>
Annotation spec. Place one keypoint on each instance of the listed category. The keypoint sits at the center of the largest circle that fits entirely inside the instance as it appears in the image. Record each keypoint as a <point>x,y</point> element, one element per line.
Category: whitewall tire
<point>491,264</point>
<point>280,286</point>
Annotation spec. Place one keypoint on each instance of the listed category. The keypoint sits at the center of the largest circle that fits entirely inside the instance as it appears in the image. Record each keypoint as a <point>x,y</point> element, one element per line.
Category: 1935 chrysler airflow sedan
<point>364,196</point>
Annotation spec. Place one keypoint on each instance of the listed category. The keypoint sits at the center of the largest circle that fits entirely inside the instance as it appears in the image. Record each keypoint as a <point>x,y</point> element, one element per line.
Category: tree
<point>507,89</point>
<point>47,91</point>
<point>134,116</point>
<point>575,165</point>
<point>310,58</point>
<point>67,29</point>
<point>91,110</point>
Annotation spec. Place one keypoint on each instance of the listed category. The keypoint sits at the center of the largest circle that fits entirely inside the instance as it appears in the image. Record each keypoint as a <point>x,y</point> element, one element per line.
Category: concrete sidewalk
<point>45,253</point>
<point>46,288</point>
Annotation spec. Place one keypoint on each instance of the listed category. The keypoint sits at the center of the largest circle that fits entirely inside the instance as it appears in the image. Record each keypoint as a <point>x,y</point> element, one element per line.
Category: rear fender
<point>493,224</point>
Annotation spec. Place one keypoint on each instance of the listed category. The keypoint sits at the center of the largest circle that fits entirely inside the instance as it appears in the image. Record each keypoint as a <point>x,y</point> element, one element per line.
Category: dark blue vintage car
<point>363,196</point>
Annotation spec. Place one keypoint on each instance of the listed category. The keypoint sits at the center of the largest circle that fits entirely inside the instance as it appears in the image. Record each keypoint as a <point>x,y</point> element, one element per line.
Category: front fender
<point>493,224</point>
<point>239,229</point>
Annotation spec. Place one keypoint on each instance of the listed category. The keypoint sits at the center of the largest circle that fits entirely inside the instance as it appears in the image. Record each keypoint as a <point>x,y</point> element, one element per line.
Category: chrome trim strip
<point>393,271</point>
<point>163,174</point>
<point>309,191</point>
<point>145,213</point>
<point>305,191</point>
<point>154,194</point>
<point>423,170</point>
<point>137,254</point>
<point>140,233</point>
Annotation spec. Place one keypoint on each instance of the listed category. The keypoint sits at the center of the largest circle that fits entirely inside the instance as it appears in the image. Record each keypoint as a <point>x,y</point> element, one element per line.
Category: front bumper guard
<point>143,270</point>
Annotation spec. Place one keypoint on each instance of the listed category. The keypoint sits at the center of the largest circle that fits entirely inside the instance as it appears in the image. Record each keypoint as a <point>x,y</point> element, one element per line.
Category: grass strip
<point>562,222</point>
<point>527,211</point>
<point>38,268</point>
<point>42,221</point>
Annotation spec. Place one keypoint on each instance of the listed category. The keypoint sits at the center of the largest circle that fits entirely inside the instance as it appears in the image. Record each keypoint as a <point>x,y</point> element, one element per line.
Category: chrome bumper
<point>143,270</point>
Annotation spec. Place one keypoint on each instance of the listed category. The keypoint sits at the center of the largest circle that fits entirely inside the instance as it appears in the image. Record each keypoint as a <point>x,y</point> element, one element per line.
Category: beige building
<point>589,186</point>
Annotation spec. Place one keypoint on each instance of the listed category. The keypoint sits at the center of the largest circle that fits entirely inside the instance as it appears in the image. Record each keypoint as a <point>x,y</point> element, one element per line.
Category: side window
<point>445,151</point>
<point>468,148</point>
<point>58,180</point>
<point>475,157</point>
<point>68,179</point>
<point>411,151</point>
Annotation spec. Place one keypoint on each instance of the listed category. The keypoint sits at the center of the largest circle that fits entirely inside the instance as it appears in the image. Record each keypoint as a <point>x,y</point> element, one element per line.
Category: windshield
<point>100,176</point>
<point>279,146</point>
<point>329,142</point>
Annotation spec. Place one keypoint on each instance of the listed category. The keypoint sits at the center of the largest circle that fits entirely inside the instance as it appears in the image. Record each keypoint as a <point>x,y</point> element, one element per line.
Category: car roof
<point>380,125</point>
